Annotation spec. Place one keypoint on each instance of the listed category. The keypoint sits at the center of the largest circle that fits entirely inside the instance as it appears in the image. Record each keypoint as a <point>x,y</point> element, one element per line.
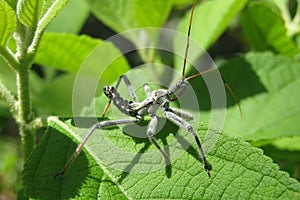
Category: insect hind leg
<point>182,123</point>
<point>151,130</point>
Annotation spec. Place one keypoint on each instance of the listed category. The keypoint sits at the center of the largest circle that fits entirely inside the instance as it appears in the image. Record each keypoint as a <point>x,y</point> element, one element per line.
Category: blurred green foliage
<point>256,46</point>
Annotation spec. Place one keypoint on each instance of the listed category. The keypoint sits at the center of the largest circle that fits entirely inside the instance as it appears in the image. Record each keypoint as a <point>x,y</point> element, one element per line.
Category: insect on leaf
<point>239,170</point>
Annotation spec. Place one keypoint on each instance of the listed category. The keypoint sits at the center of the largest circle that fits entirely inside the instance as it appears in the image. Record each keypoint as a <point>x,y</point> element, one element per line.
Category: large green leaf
<point>269,33</point>
<point>8,76</point>
<point>291,144</point>
<point>87,179</point>
<point>7,23</point>
<point>70,52</point>
<point>132,17</point>
<point>50,9</point>
<point>53,97</point>
<point>122,15</point>
<point>238,170</point>
<point>71,18</point>
<point>87,59</point>
<point>64,51</point>
<point>268,86</point>
<point>211,18</point>
<point>38,14</point>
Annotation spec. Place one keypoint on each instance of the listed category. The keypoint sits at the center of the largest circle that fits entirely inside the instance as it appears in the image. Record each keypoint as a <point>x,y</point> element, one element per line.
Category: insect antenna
<point>225,83</point>
<point>204,72</point>
<point>188,40</point>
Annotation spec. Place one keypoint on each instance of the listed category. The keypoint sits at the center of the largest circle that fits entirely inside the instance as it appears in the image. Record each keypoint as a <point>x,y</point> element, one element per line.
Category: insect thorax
<point>161,95</point>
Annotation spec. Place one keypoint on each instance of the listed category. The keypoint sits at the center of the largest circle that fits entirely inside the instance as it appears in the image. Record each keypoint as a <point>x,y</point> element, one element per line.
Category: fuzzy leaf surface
<point>7,23</point>
<point>238,169</point>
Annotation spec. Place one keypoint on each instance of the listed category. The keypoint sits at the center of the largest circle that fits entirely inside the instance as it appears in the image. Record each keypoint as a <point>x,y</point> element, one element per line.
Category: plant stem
<point>25,116</point>
<point>23,37</point>
<point>9,99</point>
<point>8,56</point>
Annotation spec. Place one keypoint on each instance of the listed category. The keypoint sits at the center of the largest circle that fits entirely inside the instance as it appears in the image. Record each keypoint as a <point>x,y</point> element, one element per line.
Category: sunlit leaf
<point>73,52</point>
<point>122,15</point>
<point>268,86</point>
<point>29,11</point>
<point>7,23</point>
<point>269,33</point>
<point>71,18</point>
<point>64,51</point>
<point>237,168</point>
<point>50,9</point>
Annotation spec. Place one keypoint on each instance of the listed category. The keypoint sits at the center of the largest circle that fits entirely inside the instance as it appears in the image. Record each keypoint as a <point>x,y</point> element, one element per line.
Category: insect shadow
<point>166,128</point>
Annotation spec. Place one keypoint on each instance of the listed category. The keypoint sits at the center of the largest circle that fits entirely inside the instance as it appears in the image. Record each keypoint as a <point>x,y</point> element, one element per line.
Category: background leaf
<point>267,34</point>
<point>82,56</point>
<point>71,18</point>
<point>267,85</point>
<point>115,15</point>
<point>210,20</point>
<point>70,50</point>
<point>49,10</point>
<point>55,96</point>
<point>237,169</point>
<point>7,23</point>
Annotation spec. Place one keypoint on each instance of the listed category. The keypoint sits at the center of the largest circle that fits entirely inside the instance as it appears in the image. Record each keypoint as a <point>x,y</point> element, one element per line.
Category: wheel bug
<point>156,99</point>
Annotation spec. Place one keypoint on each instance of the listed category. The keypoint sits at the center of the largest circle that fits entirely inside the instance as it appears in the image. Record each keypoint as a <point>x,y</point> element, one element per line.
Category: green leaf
<point>29,12</point>
<point>270,96</point>
<point>72,53</point>
<point>88,178</point>
<point>291,144</point>
<point>54,97</point>
<point>64,51</point>
<point>211,18</point>
<point>269,33</point>
<point>237,167</point>
<point>181,3</point>
<point>7,22</point>
<point>87,59</point>
<point>50,9</point>
<point>287,159</point>
<point>8,76</point>
<point>71,18</point>
<point>122,15</point>
<point>12,3</point>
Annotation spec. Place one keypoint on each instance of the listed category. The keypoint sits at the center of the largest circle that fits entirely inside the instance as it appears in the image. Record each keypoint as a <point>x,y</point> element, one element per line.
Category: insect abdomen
<point>118,101</point>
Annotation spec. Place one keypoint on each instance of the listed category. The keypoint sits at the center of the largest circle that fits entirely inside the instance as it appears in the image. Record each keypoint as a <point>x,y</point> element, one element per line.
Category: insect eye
<point>108,90</point>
